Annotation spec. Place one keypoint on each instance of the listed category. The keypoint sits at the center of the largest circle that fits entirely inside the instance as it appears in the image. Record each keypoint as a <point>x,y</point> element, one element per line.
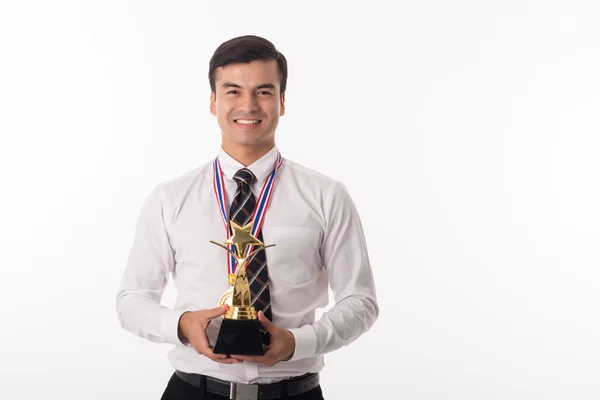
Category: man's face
<point>248,103</point>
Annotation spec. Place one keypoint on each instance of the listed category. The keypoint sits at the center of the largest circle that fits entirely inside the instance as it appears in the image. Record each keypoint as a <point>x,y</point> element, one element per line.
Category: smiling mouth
<point>248,121</point>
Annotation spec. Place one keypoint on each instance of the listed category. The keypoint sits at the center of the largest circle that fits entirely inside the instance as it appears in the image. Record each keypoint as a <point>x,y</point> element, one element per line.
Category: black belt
<point>242,391</point>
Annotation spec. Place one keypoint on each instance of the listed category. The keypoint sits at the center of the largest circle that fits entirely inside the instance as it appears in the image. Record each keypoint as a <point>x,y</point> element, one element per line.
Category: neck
<point>246,155</point>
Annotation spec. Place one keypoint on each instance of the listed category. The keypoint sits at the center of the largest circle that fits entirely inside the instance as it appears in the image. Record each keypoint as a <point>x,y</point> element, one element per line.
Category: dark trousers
<point>177,389</point>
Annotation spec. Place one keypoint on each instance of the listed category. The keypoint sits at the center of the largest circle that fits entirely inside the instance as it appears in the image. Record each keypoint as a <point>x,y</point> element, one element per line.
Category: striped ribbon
<point>259,211</point>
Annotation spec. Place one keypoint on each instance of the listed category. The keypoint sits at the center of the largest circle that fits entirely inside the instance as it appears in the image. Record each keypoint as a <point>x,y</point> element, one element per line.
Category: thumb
<point>216,312</point>
<point>264,321</point>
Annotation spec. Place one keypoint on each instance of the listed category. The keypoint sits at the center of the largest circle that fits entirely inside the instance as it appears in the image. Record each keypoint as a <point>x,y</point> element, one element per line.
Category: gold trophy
<point>239,333</point>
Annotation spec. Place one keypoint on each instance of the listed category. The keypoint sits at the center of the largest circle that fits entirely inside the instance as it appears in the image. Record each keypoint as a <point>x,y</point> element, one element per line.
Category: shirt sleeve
<point>151,260</point>
<point>344,254</point>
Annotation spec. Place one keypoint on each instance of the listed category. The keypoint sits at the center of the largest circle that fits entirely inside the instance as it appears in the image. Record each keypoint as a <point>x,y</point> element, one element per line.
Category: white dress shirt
<point>319,243</point>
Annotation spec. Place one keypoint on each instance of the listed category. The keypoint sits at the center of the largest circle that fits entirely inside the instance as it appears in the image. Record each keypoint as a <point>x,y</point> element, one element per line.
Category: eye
<point>265,92</point>
<point>232,91</point>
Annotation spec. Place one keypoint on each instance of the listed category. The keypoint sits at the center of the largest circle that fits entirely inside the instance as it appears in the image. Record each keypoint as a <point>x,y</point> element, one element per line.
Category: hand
<point>282,345</point>
<point>193,326</point>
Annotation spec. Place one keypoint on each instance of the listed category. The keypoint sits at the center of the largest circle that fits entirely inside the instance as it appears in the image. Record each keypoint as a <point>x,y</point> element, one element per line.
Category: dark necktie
<point>241,211</point>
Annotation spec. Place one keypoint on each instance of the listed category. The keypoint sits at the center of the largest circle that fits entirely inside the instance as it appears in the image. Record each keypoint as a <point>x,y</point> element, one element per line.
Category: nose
<point>249,103</point>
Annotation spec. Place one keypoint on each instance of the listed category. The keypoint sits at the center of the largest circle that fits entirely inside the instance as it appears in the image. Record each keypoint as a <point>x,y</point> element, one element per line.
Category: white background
<point>475,122</point>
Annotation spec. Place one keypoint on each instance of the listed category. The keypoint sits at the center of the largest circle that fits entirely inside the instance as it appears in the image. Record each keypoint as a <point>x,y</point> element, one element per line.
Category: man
<point>311,219</point>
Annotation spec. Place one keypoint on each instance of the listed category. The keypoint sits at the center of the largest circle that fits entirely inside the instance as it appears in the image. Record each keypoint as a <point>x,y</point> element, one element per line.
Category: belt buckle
<point>242,391</point>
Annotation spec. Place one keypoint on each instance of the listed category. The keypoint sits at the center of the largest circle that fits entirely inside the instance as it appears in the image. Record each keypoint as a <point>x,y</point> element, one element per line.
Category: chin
<point>244,140</point>
<point>249,143</point>
<point>249,140</point>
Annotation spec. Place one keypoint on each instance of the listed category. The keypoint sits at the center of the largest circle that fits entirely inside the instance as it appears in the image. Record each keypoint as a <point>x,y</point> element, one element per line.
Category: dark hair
<point>244,50</point>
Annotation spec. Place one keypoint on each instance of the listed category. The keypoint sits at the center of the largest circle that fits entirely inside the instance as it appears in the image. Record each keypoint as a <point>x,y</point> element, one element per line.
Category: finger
<point>264,321</point>
<point>203,346</point>
<point>229,361</point>
<point>268,356</point>
<point>267,360</point>
<point>216,312</point>
<point>214,356</point>
<point>202,340</point>
<point>225,360</point>
<point>208,352</point>
<point>255,359</point>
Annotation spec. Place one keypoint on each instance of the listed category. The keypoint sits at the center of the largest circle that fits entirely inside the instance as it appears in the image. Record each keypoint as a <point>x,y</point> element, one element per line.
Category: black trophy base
<point>238,336</point>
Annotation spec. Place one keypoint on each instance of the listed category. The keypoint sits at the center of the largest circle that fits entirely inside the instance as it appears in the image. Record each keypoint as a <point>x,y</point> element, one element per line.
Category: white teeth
<point>248,121</point>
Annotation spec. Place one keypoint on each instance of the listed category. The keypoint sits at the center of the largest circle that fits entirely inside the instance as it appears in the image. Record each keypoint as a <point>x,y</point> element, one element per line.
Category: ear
<point>282,111</point>
<point>213,99</point>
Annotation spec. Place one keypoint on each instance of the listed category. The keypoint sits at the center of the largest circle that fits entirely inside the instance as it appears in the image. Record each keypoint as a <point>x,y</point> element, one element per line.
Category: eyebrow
<point>234,85</point>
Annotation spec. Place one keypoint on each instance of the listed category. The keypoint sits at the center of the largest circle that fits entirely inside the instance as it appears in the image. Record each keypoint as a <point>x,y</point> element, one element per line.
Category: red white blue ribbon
<point>259,212</point>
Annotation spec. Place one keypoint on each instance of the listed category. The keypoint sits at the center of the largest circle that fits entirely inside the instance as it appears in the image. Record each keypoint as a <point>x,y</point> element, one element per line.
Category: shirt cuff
<point>170,325</point>
<point>306,342</point>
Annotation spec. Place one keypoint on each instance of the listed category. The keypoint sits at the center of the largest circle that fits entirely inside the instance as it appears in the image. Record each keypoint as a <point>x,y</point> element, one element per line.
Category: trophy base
<point>239,337</point>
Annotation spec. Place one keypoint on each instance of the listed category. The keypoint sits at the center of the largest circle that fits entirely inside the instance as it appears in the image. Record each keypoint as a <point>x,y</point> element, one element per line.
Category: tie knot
<point>244,175</point>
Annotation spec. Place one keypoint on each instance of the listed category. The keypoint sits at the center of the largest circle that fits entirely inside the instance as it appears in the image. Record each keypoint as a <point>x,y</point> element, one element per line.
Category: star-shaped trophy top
<point>242,238</point>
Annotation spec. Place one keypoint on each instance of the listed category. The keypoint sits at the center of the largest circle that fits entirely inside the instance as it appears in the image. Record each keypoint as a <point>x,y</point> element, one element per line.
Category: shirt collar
<point>261,168</point>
